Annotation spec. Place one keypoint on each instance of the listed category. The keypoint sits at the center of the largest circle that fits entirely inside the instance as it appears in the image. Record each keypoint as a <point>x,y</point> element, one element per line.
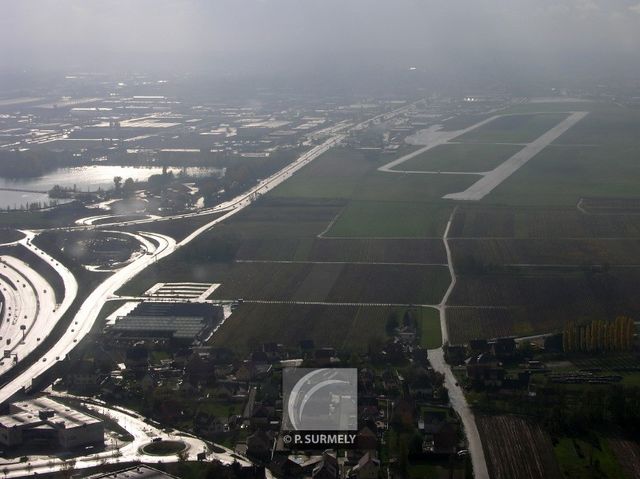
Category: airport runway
<point>492,179</point>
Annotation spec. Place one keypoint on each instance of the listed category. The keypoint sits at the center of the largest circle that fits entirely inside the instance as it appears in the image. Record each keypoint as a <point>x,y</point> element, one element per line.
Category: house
<point>476,365</point>
<point>485,370</point>
<point>442,438</point>
<point>406,334</point>
<point>368,467</point>
<point>250,371</point>
<point>440,434</point>
<point>422,387</point>
<point>504,348</point>
<point>454,354</point>
<point>479,346</point>
<point>209,425</point>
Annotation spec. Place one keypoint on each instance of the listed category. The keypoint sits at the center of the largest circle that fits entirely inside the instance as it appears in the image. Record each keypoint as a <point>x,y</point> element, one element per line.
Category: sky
<point>299,33</point>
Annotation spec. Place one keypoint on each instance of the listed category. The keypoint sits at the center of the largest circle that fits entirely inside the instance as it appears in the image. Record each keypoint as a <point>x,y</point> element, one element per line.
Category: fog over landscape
<point>252,35</point>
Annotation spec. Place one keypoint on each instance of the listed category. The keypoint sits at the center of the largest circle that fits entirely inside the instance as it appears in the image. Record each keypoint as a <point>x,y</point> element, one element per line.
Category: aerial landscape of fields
<point>345,239</point>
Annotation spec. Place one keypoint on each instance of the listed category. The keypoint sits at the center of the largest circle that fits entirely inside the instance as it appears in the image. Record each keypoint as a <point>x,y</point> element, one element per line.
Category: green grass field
<point>563,175</point>
<point>429,326</point>
<point>597,157</point>
<point>336,174</point>
<point>391,219</point>
<point>514,128</point>
<point>579,458</point>
<point>460,157</point>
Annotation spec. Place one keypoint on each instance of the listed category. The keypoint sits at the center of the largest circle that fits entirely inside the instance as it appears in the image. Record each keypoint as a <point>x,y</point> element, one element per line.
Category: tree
<point>129,188</point>
<point>117,182</point>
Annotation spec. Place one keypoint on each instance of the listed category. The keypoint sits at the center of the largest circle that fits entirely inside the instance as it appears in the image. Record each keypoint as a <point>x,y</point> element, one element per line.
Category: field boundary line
<point>382,263</point>
<point>330,303</point>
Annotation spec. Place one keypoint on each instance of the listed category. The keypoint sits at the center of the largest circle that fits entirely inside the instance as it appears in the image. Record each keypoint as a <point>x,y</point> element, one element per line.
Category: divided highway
<point>31,311</point>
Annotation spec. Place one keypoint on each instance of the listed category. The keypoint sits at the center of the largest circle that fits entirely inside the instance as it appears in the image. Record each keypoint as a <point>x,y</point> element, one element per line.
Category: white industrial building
<point>45,421</point>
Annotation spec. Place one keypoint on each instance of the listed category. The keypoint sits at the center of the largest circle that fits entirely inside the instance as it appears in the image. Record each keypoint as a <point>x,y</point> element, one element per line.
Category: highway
<point>21,306</point>
<point>31,306</point>
<point>87,315</point>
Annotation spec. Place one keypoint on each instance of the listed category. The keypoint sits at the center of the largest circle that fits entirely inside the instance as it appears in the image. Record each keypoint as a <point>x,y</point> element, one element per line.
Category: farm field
<point>539,222</point>
<point>336,174</point>
<point>342,327</point>
<point>490,253</point>
<point>276,218</point>
<point>390,219</point>
<point>517,449</point>
<point>428,251</point>
<point>627,454</point>
<point>348,283</point>
<point>538,302</point>
<point>460,157</point>
<point>343,283</point>
<point>609,206</point>
<point>514,128</point>
<point>465,324</point>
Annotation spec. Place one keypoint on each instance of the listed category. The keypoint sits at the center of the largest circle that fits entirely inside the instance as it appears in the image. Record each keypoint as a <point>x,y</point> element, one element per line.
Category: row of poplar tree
<point>599,335</point>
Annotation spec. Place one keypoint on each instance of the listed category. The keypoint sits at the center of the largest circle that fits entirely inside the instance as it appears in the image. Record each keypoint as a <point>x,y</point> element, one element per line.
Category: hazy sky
<point>85,32</point>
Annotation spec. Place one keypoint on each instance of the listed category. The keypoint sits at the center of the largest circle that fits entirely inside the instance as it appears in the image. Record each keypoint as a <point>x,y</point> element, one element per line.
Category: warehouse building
<point>179,322</point>
<point>45,421</point>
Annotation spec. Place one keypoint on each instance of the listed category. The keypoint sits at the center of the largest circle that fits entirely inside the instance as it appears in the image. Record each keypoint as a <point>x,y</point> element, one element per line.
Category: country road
<point>456,394</point>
